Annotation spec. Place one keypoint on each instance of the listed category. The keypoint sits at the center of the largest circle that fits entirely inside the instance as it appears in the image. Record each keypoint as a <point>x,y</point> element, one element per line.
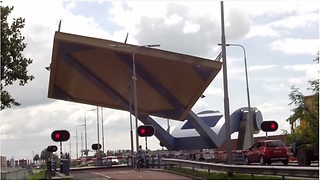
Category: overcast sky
<point>281,40</point>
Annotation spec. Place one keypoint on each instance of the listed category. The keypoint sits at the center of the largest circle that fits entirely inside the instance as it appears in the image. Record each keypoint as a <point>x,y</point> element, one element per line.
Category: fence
<point>309,172</point>
<point>15,173</point>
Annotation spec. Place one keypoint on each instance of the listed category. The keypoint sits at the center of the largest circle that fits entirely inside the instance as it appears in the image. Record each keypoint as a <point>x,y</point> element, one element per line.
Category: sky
<point>281,39</point>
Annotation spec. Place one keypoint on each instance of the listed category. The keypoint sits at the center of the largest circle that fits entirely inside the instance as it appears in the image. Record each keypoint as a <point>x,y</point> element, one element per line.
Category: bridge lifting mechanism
<point>98,72</point>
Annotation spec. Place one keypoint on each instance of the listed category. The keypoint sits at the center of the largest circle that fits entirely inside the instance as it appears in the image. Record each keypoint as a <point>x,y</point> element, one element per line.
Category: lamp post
<point>81,143</point>
<point>98,125</point>
<point>85,130</point>
<point>247,86</point>
<point>102,131</point>
<point>135,99</point>
<point>77,140</point>
<point>225,88</point>
<point>130,112</point>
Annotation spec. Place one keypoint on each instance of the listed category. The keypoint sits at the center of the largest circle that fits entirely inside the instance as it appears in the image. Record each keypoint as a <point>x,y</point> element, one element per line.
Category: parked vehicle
<point>266,152</point>
<point>305,151</point>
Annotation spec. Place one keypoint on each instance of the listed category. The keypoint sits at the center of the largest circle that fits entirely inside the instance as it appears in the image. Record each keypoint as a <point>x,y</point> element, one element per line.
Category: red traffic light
<point>52,148</point>
<point>269,126</point>
<point>96,146</point>
<point>60,135</point>
<point>145,131</point>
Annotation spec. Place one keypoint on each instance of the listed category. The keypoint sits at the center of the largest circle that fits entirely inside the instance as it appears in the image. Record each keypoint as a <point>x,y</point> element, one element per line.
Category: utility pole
<point>225,88</point>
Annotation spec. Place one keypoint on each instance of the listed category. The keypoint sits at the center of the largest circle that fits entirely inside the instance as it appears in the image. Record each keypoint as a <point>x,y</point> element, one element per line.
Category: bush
<point>217,175</point>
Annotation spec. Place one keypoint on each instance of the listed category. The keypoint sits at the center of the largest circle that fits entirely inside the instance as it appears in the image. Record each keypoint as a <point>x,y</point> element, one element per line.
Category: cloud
<point>275,87</point>
<point>239,24</point>
<point>214,91</point>
<point>259,68</point>
<point>262,31</point>
<point>311,71</point>
<point>297,21</point>
<point>236,72</point>
<point>294,46</point>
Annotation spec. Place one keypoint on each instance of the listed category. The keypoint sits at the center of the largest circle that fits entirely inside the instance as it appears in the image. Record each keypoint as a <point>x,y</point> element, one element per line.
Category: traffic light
<point>52,148</point>
<point>96,146</point>
<point>145,131</point>
<point>269,126</point>
<point>60,135</point>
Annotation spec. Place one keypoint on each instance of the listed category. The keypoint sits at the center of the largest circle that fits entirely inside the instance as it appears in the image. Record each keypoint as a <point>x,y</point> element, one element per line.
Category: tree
<point>45,155</point>
<point>310,133</point>
<point>36,157</point>
<point>13,63</point>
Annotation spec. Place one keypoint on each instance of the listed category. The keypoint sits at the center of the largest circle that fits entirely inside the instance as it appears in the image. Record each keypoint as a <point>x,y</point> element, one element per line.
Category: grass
<point>39,175</point>
<point>216,175</point>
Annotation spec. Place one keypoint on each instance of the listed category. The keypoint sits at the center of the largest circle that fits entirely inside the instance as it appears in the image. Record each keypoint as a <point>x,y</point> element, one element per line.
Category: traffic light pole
<point>146,144</point>
<point>147,157</point>
<point>266,135</point>
<point>60,156</point>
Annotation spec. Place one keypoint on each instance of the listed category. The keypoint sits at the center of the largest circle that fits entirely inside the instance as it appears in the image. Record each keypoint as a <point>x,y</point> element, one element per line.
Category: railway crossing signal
<point>269,126</point>
<point>145,131</point>
<point>60,135</point>
<point>52,148</point>
<point>96,146</point>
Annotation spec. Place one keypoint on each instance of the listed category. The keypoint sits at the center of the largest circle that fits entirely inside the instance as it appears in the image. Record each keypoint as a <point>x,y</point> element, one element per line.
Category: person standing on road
<point>140,156</point>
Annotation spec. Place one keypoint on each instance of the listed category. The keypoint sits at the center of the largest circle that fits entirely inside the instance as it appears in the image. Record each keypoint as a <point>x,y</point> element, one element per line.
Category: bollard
<point>65,164</point>
<point>61,166</point>
<point>48,173</point>
<point>158,161</point>
<point>147,161</point>
<point>152,159</point>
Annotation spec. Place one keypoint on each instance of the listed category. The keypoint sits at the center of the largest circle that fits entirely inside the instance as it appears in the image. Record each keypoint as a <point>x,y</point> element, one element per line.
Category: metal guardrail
<point>309,172</point>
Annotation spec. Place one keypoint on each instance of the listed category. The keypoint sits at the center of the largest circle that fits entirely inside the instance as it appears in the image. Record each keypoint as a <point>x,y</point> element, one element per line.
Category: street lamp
<point>135,99</point>
<point>77,139</point>
<point>225,89</point>
<point>102,131</point>
<point>247,86</point>
<point>85,129</point>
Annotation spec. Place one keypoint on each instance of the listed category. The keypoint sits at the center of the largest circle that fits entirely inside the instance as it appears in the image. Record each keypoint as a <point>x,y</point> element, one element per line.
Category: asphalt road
<point>87,175</point>
<point>125,173</point>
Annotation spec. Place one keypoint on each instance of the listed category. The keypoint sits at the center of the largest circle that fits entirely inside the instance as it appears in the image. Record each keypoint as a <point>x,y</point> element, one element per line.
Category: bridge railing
<point>309,172</point>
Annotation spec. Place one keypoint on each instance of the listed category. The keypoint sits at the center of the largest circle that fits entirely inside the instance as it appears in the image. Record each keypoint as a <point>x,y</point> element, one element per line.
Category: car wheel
<point>246,161</point>
<point>285,162</point>
<point>261,160</point>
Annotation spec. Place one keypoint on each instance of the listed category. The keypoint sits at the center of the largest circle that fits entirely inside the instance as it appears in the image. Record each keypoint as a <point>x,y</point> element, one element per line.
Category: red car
<point>266,152</point>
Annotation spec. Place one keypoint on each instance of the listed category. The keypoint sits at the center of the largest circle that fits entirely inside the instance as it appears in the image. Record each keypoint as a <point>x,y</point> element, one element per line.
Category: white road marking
<point>123,172</point>
<point>100,174</point>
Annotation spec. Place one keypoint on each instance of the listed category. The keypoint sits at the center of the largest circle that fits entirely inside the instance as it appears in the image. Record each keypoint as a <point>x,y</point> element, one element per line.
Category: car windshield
<point>274,144</point>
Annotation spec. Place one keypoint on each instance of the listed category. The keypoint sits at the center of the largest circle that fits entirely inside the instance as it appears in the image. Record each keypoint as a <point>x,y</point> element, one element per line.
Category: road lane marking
<point>123,172</point>
<point>100,174</point>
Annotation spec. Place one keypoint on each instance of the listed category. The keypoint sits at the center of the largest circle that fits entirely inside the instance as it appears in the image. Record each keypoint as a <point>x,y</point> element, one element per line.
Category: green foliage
<point>38,175</point>
<point>36,157</point>
<point>216,175</point>
<point>45,155</point>
<point>13,63</point>
<point>309,134</point>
